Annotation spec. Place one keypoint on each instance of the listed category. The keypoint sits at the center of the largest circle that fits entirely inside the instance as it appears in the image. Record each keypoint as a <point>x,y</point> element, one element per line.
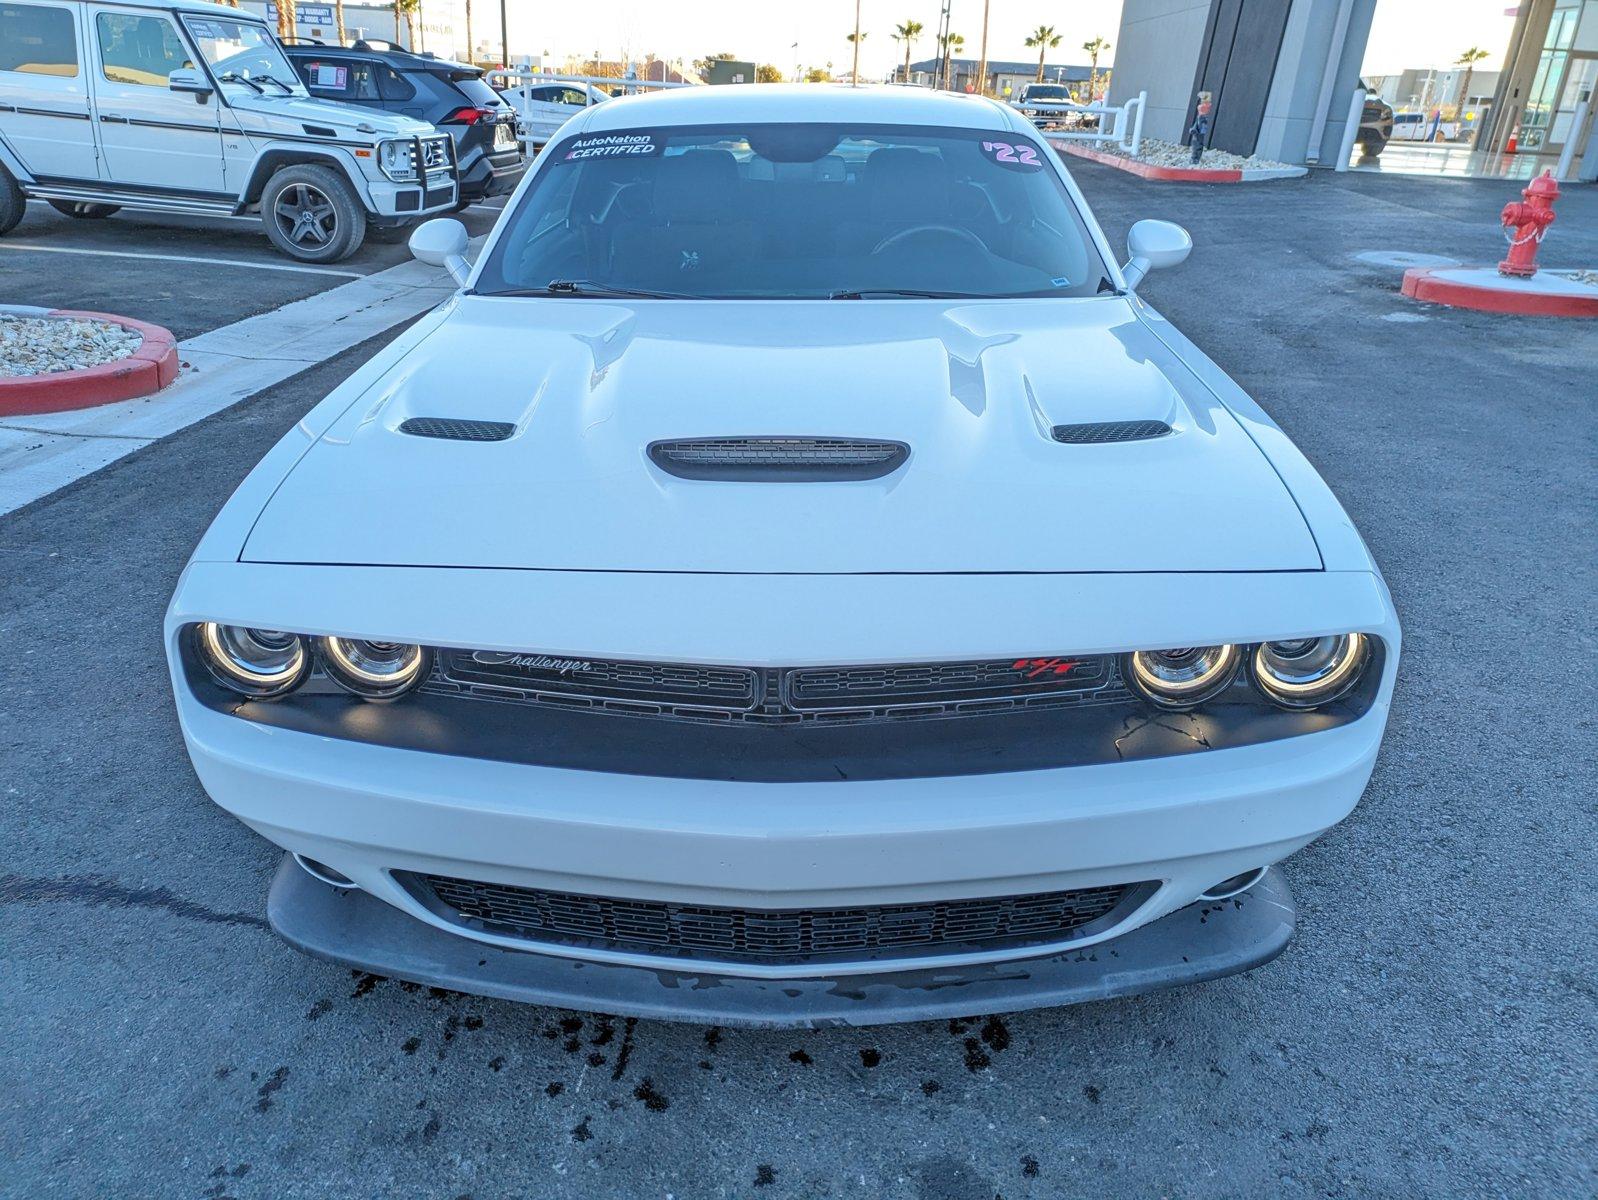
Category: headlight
<point>1309,672</point>
<point>1181,678</point>
<point>394,158</point>
<point>373,670</point>
<point>262,663</point>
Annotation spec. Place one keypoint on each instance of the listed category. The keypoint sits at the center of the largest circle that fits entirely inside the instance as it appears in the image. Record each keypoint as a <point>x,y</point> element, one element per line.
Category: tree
<point>818,75</point>
<point>952,44</point>
<point>1468,60</point>
<point>855,39</point>
<point>982,65</point>
<point>1045,39</point>
<point>287,18</point>
<point>907,33</point>
<point>767,74</point>
<point>406,10</point>
<point>471,46</point>
<point>1094,48</point>
<point>338,18</point>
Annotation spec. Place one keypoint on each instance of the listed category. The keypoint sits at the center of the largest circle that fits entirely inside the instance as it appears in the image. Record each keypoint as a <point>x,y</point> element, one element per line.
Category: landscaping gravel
<point>45,345</point>
<point>1168,154</point>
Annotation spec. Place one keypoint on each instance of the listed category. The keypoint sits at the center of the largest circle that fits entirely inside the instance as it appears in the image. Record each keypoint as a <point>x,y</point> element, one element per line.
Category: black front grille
<point>773,935</point>
<point>1096,432</point>
<point>778,695</point>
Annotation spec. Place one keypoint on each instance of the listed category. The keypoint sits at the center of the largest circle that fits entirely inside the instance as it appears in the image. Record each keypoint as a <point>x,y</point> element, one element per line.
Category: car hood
<point>973,389</point>
<point>266,115</point>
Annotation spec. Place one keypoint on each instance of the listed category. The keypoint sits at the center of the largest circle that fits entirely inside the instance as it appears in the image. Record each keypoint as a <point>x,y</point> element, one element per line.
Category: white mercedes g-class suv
<point>192,108</point>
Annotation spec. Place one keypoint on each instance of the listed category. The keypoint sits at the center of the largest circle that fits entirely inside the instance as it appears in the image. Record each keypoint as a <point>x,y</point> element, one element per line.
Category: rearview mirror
<point>1152,245</point>
<point>441,242</point>
<point>187,79</point>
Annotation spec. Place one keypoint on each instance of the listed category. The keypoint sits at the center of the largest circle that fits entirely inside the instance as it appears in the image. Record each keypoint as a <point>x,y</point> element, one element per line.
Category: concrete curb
<point>148,369</point>
<point>1428,285</point>
<point>1181,174</point>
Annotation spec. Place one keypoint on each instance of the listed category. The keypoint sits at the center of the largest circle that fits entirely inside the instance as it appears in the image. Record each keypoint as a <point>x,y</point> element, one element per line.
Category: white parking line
<point>39,454</point>
<point>34,247</point>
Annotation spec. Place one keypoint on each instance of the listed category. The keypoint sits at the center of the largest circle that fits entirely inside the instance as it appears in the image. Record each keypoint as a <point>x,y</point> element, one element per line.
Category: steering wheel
<point>893,239</point>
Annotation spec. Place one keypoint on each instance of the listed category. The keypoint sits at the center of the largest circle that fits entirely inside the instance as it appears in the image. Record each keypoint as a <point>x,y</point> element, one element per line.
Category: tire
<point>1373,145</point>
<point>13,204</point>
<point>462,205</point>
<point>311,214</point>
<point>84,210</point>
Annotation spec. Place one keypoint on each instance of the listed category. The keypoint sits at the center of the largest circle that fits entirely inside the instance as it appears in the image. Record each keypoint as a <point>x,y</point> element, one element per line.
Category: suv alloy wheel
<point>310,214</point>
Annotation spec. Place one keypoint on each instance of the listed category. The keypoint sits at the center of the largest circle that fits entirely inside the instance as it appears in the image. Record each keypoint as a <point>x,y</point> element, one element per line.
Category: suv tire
<point>311,213</point>
<point>1372,144</point>
<point>84,209</point>
<point>13,204</point>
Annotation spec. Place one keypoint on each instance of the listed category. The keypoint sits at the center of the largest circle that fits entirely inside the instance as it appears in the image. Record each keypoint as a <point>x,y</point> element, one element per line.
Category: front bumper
<point>411,199</point>
<point>1202,941</point>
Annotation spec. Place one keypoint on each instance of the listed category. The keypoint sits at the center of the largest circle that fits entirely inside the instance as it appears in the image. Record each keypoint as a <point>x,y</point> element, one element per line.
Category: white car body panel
<point>993,540</point>
<point>973,389</point>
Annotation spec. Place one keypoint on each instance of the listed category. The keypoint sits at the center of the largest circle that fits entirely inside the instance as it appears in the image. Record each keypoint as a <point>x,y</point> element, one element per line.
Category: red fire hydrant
<point>1526,223</point>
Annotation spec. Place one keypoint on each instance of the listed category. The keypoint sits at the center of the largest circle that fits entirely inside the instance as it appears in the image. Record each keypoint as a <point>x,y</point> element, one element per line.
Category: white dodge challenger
<point>794,581</point>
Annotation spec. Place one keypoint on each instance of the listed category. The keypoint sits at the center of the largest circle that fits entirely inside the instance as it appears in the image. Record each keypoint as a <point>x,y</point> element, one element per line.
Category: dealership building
<point>1283,74</point>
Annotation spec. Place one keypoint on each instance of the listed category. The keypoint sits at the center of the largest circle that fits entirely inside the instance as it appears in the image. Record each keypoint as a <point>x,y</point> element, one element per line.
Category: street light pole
<point>504,37</point>
<point>854,77</point>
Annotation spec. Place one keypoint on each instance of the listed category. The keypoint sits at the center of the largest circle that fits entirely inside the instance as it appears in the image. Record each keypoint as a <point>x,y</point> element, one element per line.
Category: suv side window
<point>37,41</point>
<point>143,50</point>
<point>356,80</point>
<point>391,85</point>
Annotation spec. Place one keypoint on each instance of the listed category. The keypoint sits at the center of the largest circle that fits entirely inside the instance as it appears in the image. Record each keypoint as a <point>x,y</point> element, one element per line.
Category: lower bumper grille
<point>775,936</point>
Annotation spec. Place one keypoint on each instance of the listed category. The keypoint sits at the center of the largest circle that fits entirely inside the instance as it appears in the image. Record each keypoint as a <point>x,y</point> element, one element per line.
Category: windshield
<point>1047,91</point>
<point>796,211</point>
<point>240,51</point>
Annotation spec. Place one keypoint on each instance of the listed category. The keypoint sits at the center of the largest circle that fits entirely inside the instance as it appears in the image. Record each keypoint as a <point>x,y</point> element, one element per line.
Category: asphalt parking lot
<point>1430,1032</point>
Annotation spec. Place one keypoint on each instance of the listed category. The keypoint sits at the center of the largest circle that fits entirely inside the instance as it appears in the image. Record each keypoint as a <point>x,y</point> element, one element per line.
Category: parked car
<point>186,107</point>
<point>542,108</point>
<point>1375,124</point>
<point>839,598</point>
<point>450,95</point>
<point>1045,93</point>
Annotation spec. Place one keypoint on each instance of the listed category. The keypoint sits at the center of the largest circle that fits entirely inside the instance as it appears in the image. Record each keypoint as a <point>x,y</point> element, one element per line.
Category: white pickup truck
<point>192,107</point>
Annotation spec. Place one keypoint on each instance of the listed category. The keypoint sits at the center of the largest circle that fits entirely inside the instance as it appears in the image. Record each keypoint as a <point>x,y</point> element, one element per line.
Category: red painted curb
<point>1149,170</point>
<point>1420,284</point>
<point>148,369</point>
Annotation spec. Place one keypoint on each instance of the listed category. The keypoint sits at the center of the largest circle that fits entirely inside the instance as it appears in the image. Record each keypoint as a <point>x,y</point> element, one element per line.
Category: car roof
<point>402,59</point>
<point>784,102</point>
<point>198,7</point>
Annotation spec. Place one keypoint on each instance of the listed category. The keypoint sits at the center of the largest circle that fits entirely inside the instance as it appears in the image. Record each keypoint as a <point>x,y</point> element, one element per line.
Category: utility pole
<point>854,77</point>
<point>982,68</point>
<point>942,75</point>
<point>504,37</point>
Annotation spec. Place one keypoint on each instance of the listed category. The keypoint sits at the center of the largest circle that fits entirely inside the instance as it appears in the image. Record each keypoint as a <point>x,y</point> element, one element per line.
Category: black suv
<point>450,95</point>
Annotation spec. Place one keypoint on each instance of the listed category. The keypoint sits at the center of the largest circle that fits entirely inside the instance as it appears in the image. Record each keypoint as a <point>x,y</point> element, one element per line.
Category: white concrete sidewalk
<point>39,454</point>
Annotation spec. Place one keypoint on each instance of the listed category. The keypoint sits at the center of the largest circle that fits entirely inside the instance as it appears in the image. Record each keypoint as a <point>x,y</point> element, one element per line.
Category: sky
<point>1407,33</point>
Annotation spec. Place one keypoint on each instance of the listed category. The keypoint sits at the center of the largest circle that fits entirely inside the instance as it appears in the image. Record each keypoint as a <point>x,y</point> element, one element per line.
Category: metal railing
<point>1121,123</point>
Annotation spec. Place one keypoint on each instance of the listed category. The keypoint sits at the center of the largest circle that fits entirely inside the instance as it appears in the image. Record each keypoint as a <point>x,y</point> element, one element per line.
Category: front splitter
<point>1203,941</point>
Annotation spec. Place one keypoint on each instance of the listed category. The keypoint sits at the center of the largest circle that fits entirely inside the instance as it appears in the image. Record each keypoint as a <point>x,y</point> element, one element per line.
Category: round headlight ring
<point>260,663</point>
<point>1183,677</point>
<point>1309,672</point>
<point>373,670</point>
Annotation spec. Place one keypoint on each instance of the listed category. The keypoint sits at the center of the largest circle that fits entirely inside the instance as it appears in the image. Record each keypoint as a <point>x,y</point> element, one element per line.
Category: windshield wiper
<point>278,82</point>
<point>235,77</point>
<point>586,287</point>
<point>913,293</point>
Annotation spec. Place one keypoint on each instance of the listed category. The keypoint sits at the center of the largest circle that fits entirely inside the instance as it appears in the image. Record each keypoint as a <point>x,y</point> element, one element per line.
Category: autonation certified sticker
<point>614,145</point>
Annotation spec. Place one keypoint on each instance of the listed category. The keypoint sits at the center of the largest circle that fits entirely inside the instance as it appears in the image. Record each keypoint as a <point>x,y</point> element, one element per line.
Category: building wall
<point>1290,113</point>
<point>1157,51</point>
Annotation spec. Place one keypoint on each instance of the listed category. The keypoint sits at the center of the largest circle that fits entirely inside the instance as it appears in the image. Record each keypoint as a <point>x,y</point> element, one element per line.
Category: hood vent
<point>320,131</point>
<point>778,459</point>
<point>1094,432</point>
<point>452,430</point>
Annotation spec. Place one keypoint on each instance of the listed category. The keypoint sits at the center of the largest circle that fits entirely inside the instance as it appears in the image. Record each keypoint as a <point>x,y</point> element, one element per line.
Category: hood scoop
<point>1095,432</point>
<point>451,430</point>
<point>778,459</point>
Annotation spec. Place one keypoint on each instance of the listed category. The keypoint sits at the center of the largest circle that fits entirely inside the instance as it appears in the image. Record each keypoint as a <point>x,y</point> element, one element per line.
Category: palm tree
<point>471,46</point>
<point>856,38</point>
<point>907,33</point>
<point>951,45</point>
<point>287,18</point>
<point>1468,60</point>
<point>1094,48</point>
<point>406,9</point>
<point>338,16</point>
<point>1045,39</point>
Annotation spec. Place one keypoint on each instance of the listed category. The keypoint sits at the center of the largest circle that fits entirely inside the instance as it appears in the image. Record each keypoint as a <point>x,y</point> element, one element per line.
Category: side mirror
<point>441,242</point>
<point>1152,245</point>
<point>188,79</point>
